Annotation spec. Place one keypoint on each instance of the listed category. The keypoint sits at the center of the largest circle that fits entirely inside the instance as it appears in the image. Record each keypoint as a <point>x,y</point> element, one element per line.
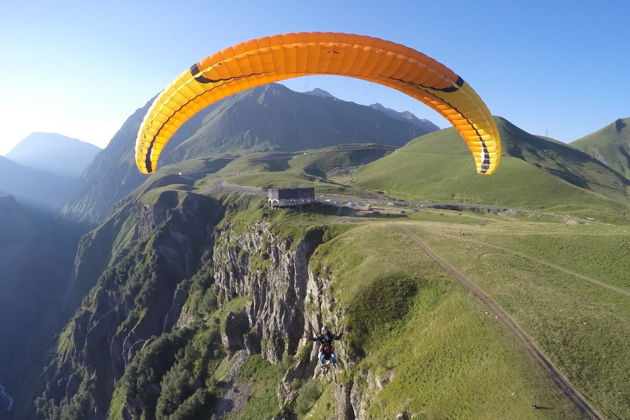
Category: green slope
<point>580,322</point>
<point>420,334</point>
<point>534,173</point>
<point>327,169</point>
<point>275,118</point>
<point>610,145</point>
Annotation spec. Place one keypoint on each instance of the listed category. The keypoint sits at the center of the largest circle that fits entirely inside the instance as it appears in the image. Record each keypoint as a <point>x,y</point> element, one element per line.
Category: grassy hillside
<point>556,283</point>
<point>436,350</point>
<point>418,342</point>
<point>328,169</point>
<point>610,145</point>
<point>262,119</point>
<point>534,173</point>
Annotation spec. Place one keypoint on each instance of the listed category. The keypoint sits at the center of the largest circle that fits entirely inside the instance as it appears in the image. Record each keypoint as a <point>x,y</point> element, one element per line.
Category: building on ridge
<point>290,197</point>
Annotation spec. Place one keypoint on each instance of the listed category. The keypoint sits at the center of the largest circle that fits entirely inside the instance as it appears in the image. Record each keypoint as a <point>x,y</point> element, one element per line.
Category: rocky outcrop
<point>232,336</point>
<point>288,301</point>
<point>273,272</point>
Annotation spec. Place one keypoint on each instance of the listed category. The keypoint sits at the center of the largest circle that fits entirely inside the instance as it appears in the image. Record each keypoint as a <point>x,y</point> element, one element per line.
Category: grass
<point>582,327</point>
<point>232,306</point>
<point>322,162</point>
<point>440,356</point>
<point>264,377</point>
<point>534,173</point>
<point>601,256</point>
<point>419,342</point>
<point>324,406</point>
<point>293,223</point>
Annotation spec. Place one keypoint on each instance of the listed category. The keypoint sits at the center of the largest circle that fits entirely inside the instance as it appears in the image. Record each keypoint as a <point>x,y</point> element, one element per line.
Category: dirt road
<point>578,401</point>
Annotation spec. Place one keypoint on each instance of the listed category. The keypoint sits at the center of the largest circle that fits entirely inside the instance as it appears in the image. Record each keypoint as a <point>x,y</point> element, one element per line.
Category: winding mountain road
<point>561,382</point>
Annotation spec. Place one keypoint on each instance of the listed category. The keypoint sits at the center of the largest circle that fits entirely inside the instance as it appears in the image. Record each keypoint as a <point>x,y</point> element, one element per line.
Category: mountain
<point>424,124</point>
<point>275,118</point>
<point>111,175</point>
<point>198,306</point>
<point>320,92</point>
<point>610,145</point>
<point>534,173</point>
<point>266,118</point>
<point>35,187</point>
<point>36,261</point>
<point>54,153</point>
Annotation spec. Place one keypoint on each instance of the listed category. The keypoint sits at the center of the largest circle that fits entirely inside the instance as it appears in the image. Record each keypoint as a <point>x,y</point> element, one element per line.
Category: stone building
<point>290,197</point>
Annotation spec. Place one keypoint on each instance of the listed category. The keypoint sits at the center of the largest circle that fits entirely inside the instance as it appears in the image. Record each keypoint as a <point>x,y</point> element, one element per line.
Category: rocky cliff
<point>196,291</point>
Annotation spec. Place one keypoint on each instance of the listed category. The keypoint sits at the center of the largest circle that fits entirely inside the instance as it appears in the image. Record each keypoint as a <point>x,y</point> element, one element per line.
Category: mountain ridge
<point>35,187</point>
<point>54,153</point>
<point>266,118</point>
<point>438,167</point>
<point>610,145</point>
<point>193,302</point>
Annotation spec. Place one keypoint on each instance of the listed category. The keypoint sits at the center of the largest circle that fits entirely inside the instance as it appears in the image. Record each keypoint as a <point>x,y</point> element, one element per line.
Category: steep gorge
<point>184,267</point>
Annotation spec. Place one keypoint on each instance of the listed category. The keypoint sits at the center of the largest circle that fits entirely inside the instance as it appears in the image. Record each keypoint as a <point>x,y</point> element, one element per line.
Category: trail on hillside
<point>542,262</point>
<point>563,384</point>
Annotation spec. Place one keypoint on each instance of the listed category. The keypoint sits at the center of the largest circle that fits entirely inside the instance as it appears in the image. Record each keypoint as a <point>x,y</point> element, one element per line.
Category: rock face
<point>274,274</point>
<point>288,301</point>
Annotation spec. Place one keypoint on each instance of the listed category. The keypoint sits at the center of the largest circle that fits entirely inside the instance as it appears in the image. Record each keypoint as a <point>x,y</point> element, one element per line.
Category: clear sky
<point>80,68</point>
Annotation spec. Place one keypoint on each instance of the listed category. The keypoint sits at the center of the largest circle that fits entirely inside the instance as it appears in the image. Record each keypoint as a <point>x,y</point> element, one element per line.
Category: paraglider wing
<point>270,59</point>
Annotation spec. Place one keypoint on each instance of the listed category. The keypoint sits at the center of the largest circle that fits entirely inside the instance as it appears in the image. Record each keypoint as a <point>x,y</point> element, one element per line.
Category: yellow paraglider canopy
<point>270,59</point>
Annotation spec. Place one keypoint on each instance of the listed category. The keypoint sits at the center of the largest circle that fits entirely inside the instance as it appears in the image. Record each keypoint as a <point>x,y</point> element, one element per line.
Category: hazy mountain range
<point>54,153</point>
<point>43,169</point>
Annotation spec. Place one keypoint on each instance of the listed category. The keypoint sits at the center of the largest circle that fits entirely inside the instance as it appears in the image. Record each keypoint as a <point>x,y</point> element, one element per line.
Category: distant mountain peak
<point>54,153</point>
<point>407,116</point>
<point>7,200</point>
<point>378,106</point>
<point>320,92</point>
<point>620,125</point>
<point>610,145</point>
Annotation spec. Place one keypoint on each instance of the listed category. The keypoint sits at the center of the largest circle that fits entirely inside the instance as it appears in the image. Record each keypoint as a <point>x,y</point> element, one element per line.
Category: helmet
<point>324,329</point>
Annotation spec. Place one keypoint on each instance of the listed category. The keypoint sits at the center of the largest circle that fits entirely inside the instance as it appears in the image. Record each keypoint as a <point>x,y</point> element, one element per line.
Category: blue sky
<point>80,68</point>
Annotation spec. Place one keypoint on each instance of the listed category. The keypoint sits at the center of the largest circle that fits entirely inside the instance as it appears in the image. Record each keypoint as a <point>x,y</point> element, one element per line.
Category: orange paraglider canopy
<point>270,59</point>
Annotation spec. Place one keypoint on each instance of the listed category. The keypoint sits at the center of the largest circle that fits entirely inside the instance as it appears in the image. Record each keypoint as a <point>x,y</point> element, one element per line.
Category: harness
<point>326,350</point>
